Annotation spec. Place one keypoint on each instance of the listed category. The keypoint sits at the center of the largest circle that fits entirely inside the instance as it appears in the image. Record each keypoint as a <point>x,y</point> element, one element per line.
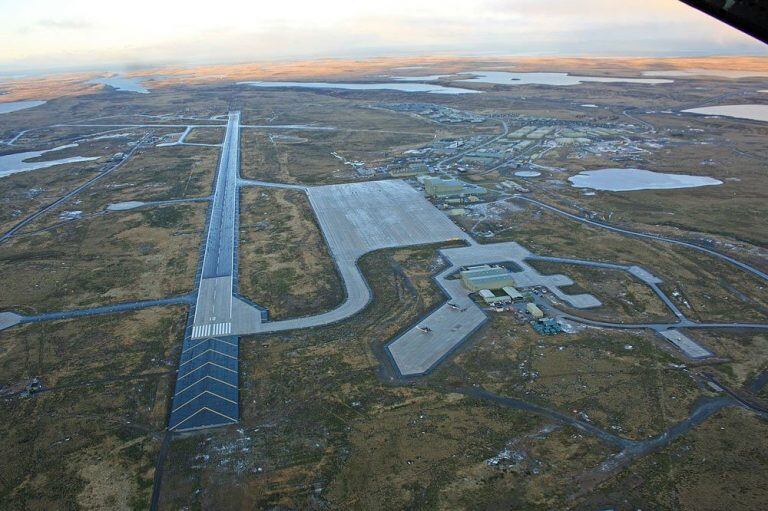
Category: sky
<point>40,35</point>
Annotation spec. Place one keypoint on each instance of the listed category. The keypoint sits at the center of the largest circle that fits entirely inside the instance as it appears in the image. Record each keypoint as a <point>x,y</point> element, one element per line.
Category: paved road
<point>13,230</point>
<point>649,279</point>
<point>180,141</point>
<point>267,184</point>
<point>357,218</point>
<point>526,277</point>
<point>475,148</point>
<point>744,399</point>
<point>627,232</point>
<point>300,127</point>
<point>18,136</point>
<point>108,309</point>
<point>632,448</point>
<point>647,124</point>
<point>416,352</point>
<point>139,126</point>
<point>685,323</point>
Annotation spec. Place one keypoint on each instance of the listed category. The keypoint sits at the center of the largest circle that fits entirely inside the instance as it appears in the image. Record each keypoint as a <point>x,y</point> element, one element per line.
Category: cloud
<point>64,24</point>
<point>94,33</point>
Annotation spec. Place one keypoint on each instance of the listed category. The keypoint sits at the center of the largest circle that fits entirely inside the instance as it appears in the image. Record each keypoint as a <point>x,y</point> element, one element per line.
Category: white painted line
<point>207,363</point>
<point>204,378</point>
<point>212,330</point>
<point>202,410</point>
<point>207,340</point>
<point>206,351</point>
<point>234,345</point>
<point>200,394</point>
<point>195,346</point>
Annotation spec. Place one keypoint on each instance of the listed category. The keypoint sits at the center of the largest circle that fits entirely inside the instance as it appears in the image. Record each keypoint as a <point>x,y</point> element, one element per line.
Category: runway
<point>206,393</point>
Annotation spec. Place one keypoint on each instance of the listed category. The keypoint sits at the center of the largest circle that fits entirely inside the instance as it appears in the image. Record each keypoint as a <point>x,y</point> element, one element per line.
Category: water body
<point>402,87</point>
<point>527,173</point>
<point>751,112</point>
<point>17,162</point>
<point>123,84</point>
<point>428,78</point>
<point>720,73</point>
<point>509,78</point>
<point>625,180</point>
<point>18,105</point>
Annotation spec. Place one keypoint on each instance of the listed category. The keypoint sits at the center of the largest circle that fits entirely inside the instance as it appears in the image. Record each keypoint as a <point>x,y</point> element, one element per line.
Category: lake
<point>509,78</point>
<point>751,112</point>
<point>13,106</point>
<point>398,86</point>
<point>527,173</point>
<point>625,180</point>
<point>123,84</point>
<point>17,162</point>
<point>719,73</point>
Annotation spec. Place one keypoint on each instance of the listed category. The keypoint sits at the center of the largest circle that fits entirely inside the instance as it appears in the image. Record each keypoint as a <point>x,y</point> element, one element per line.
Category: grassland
<point>361,134</point>
<point>79,351</point>
<point>205,136</point>
<point>24,193</point>
<point>151,174</point>
<point>320,429</point>
<point>160,173</point>
<point>325,424</point>
<point>262,159</point>
<point>721,464</point>
<point>108,258</point>
<point>90,439</point>
<point>312,161</point>
<point>724,149</point>
<point>624,299</point>
<point>284,262</point>
<point>705,288</point>
<point>620,381</point>
<point>746,354</point>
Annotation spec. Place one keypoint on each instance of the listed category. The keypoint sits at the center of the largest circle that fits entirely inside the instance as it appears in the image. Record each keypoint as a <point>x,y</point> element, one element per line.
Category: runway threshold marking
<point>211,330</point>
